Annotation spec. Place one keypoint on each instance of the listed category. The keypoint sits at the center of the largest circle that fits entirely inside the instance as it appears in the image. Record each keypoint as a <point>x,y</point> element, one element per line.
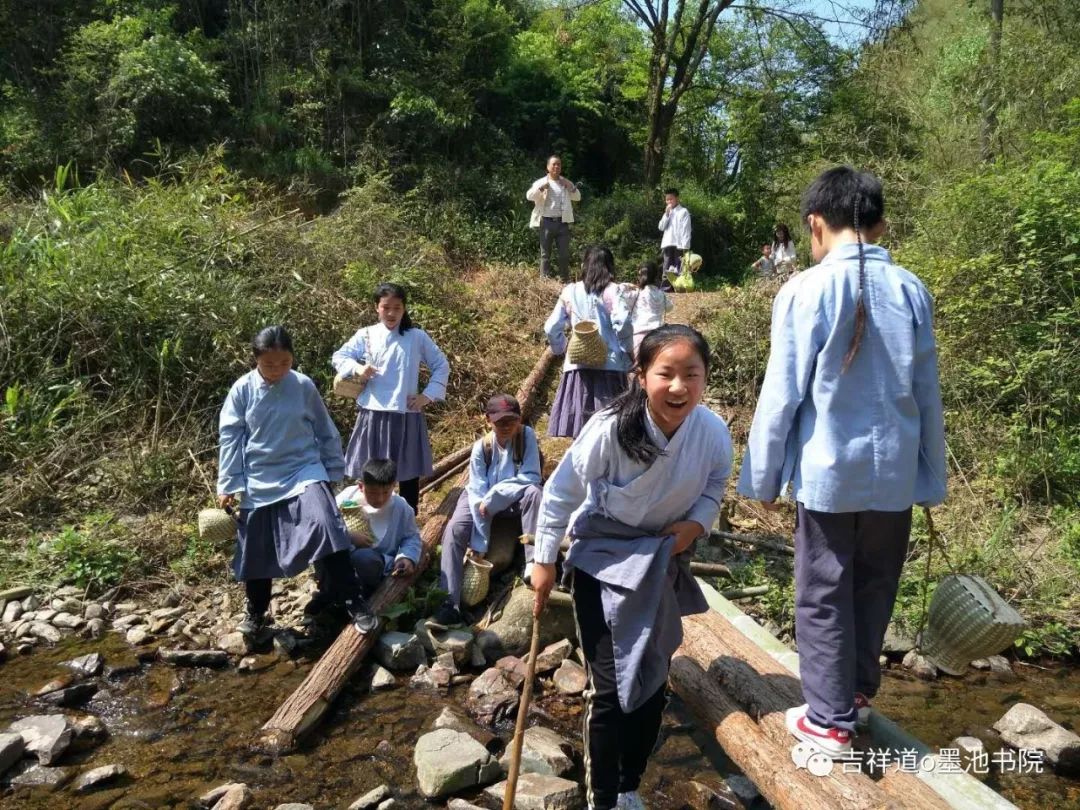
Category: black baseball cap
<point>500,406</point>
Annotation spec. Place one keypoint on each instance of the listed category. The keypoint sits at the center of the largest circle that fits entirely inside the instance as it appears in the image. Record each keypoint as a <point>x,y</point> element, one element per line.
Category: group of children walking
<point>849,415</point>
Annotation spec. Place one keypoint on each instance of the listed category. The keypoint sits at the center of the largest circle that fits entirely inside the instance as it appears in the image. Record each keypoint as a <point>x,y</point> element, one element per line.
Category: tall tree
<point>988,101</point>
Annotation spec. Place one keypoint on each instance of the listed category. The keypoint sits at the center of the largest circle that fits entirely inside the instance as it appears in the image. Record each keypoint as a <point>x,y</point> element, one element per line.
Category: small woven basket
<point>356,521</point>
<point>968,619</point>
<point>216,525</point>
<point>475,580</point>
<point>348,387</point>
<point>587,347</point>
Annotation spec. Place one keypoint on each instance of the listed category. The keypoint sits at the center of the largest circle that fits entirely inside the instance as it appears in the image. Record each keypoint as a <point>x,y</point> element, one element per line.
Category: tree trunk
<point>306,706</point>
<point>657,144</point>
<point>991,91</point>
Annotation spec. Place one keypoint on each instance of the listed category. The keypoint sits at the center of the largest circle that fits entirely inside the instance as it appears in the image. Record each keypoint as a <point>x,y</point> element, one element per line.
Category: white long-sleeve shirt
<point>686,482</point>
<point>397,359</point>
<point>647,308</point>
<point>550,199</point>
<point>676,228</point>
<point>783,252</point>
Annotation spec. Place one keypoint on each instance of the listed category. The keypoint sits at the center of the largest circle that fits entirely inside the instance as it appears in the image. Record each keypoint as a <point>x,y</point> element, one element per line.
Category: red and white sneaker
<point>862,705</point>
<point>833,742</point>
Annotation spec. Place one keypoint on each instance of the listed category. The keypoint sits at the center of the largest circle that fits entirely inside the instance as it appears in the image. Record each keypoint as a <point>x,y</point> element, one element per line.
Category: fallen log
<point>708,569</point>
<point>766,764</point>
<point>306,706</point>
<point>772,542</point>
<point>766,688</point>
<point>743,593</point>
<point>526,397</point>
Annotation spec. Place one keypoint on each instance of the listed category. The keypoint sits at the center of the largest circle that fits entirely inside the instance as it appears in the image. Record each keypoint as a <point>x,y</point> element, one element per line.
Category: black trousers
<point>617,743</point>
<point>672,257</point>
<point>334,572</point>
<point>410,491</point>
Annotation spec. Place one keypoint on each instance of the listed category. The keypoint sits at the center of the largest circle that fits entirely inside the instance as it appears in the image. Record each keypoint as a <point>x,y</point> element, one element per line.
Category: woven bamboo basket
<point>356,521</point>
<point>348,387</point>
<point>968,619</point>
<point>216,525</point>
<point>587,347</point>
<point>475,580</point>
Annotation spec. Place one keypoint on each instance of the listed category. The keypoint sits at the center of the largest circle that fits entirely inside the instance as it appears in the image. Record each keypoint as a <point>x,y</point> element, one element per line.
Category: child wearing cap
<point>504,478</point>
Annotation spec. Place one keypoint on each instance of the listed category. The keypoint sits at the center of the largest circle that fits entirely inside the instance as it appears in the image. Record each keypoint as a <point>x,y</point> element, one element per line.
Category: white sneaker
<point>527,576</point>
<point>630,801</point>
<point>833,742</point>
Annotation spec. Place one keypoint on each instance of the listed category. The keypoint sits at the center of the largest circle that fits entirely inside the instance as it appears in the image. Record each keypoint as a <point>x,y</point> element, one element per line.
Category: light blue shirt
<point>870,438</point>
<point>275,440</point>
<point>396,534</point>
<point>685,482</point>
<point>397,359</point>
<point>609,310</point>
<point>497,486</point>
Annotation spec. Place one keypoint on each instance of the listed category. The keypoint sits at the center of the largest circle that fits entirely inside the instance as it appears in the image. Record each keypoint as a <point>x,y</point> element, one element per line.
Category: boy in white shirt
<point>675,225</point>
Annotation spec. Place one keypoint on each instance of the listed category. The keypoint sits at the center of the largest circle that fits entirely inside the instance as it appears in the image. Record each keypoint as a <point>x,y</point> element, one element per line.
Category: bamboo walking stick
<point>523,713</point>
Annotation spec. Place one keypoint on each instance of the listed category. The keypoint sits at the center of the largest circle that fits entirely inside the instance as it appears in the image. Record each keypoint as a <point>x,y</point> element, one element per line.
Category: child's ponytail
<point>860,306</point>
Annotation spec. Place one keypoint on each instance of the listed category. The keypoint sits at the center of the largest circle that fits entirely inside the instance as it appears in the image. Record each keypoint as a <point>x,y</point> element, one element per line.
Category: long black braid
<point>860,305</point>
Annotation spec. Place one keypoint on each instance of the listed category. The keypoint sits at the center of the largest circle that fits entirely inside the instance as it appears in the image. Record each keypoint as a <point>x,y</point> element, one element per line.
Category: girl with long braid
<point>850,414</point>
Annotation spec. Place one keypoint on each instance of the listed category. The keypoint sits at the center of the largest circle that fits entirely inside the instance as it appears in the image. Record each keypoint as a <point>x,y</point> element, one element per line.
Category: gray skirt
<point>284,538</point>
<point>582,392</point>
<point>402,437</point>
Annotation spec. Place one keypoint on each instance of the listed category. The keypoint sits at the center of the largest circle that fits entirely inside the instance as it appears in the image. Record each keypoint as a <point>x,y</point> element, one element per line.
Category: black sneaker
<point>319,602</point>
<point>252,624</point>
<point>445,617</point>
<point>361,614</point>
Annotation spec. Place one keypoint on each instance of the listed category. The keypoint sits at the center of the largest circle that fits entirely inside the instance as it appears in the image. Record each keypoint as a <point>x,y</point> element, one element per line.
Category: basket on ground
<point>216,525</point>
<point>587,347</point>
<point>968,619</point>
<point>348,387</point>
<point>475,580</point>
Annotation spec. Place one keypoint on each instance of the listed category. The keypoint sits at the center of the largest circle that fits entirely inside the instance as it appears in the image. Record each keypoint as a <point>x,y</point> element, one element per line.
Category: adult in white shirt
<point>675,225</point>
<point>553,197</point>
<point>783,249</point>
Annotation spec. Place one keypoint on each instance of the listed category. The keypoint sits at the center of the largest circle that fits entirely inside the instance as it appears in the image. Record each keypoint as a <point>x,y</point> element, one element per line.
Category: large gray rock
<point>536,791</point>
<point>46,632</point>
<point>194,658</point>
<point>512,632</point>
<point>86,666</point>
<point>371,799</point>
<point>543,751</point>
<point>235,643</point>
<point>47,736</point>
<point>448,761</point>
<point>400,652</point>
<point>1025,726</point>
<point>492,697</point>
<point>898,641</point>
<point>570,678</point>
<point>231,796</point>
<point>11,750</point>
<point>39,776</point>
<point>12,612</point>
<point>516,670</point>
<point>552,655</point>
<point>99,776</point>
<point>69,621</point>
<point>456,641</point>
<point>448,718</point>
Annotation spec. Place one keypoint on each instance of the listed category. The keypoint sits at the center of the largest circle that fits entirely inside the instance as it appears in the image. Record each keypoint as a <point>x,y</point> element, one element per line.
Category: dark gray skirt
<point>284,538</point>
<point>582,392</point>
<point>388,434</point>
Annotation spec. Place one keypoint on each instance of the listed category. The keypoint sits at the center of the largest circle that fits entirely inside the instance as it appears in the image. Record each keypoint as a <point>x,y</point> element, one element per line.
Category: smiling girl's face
<point>674,383</point>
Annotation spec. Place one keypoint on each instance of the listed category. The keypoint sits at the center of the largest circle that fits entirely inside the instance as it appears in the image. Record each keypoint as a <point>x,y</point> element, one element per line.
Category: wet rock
<point>492,697</point>
<point>570,678</point>
<point>382,678</point>
<point>93,611</point>
<point>257,663</point>
<point>11,750</point>
<point>536,791</point>
<point>194,658</point>
<point>920,666</point>
<point>217,797</point>
<point>127,622</point>
<point>40,776</point>
<point>1025,726</point>
<point>430,677</point>
<point>12,612</point>
<point>743,788</point>
<point>121,665</point>
<point>968,746</point>
<point>99,776</point>
<point>386,804</point>
<point>1000,668</point>
<point>46,736</point>
<point>457,642</point>
<point>86,666</point>
<point>89,729</point>
<point>448,761</point>
<point>512,633</point>
<point>138,635</point>
<point>400,652</point>
<point>57,683</point>
<point>75,695</point>
<point>46,632</point>
<point>95,629</point>
<point>448,718</point>
<point>543,751</point>
<point>516,670</point>
<point>25,648</point>
<point>235,643</point>
<point>552,655</point>
<point>371,799</point>
<point>68,621</point>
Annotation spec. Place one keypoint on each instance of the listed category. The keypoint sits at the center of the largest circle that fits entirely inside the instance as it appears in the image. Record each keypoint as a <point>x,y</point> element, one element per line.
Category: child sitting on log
<point>850,413</point>
<point>504,479</point>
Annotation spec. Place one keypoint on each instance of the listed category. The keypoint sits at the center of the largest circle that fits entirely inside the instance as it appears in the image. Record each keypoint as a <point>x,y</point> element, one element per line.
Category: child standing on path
<point>675,225</point>
<point>504,478</point>
<point>648,304</point>
<point>390,422</point>
<point>764,265</point>
<point>279,450</point>
<point>585,390</point>
<point>850,412</point>
<point>638,486</point>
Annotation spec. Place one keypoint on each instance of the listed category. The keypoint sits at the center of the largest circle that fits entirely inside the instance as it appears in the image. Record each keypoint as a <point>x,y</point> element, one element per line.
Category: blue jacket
<point>497,486</point>
<point>397,358</point>
<point>616,328</point>
<point>870,438</point>
<point>401,537</point>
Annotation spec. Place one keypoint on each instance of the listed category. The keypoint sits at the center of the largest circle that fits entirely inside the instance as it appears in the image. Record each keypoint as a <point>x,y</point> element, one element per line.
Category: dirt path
<point>689,307</point>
